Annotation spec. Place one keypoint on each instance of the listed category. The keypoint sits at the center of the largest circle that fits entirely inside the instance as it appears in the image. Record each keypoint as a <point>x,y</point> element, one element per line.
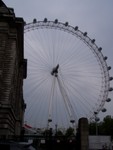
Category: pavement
<point>15,146</point>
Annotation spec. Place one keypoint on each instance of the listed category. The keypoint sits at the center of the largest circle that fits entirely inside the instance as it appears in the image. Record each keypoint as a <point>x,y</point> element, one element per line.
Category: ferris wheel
<point>68,77</point>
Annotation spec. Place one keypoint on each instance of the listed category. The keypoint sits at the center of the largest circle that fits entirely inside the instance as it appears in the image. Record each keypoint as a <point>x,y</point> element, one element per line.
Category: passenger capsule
<point>76,28</point>
<point>85,33</point>
<point>97,119</point>
<point>56,21</point>
<point>108,100</point>
<point>93,41</point>
<point>105,58</point>
<point>109,67</point>
<point>110,89</point>
<point>104,110</point>
<point>72,121</point>
<point>66,24</point>
<point>110,78</point>
<point>49,120</point>
<point>95,113</point>
<point>34,20</point>
<point>100,49</point>
<point>45,20</point>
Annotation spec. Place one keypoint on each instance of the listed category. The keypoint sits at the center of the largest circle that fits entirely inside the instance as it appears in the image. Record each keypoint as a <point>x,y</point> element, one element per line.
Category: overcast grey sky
<point>92,16</point>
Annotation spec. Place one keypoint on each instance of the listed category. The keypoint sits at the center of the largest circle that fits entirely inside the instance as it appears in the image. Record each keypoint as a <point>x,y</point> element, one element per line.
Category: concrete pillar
<point>83,133</point>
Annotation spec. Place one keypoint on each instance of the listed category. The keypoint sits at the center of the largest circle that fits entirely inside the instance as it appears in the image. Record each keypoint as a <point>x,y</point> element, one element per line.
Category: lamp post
<point>96,120</point>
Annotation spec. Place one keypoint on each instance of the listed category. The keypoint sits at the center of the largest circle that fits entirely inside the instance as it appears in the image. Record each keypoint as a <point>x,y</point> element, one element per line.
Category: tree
<point>105,127</point>
<point>59,133</point>
<point>69,132</point>
<point>92,128</point>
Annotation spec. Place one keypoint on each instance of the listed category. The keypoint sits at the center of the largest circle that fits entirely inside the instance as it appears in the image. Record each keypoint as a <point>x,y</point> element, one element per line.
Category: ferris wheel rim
<point>89,42</point>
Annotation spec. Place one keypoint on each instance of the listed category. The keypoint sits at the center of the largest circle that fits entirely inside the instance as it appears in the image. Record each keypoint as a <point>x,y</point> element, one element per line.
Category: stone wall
<point>12,105</point>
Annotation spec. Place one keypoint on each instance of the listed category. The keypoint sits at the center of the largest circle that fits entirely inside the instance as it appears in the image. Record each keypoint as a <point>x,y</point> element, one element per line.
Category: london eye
<point>68,76</point>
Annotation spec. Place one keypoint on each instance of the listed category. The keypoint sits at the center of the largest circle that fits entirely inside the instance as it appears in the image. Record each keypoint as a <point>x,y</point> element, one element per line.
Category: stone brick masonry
<point>12,72</point>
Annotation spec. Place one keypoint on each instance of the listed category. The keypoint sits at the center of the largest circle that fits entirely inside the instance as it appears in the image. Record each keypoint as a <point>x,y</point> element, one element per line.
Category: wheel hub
<point>55,71</point>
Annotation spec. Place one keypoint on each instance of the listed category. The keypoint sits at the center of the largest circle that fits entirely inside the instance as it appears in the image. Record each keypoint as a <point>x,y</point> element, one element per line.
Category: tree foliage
<point>69,132</point>
<point>104,127</point>
<point>59,133</point>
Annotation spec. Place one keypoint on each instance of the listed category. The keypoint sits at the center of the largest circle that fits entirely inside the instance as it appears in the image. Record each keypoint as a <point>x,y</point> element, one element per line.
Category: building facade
<point>12,72</point>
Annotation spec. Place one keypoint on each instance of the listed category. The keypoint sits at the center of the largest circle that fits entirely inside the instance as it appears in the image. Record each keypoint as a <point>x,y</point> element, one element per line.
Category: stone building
<point>12,72</point>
